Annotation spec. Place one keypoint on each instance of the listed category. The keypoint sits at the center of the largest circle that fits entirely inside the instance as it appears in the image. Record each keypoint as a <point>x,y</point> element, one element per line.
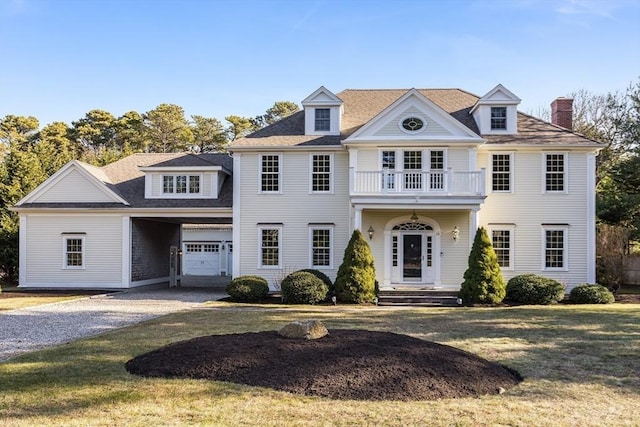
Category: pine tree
<point>483,281</point>
<point>356,277</point>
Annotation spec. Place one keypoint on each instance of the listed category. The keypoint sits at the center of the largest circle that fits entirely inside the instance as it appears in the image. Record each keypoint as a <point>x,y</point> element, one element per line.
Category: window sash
<point>555,255</point>
<point>73,252</point>
<point>181,184</point>
<point>322,119</point>
<point>321,173</point>
<point>270,173</point>
<point>498,118</point>
<point>320,247</point>
<point>555,172</point>
<point>501,241</point>
<point>501,172</point>
<point>269,247</point>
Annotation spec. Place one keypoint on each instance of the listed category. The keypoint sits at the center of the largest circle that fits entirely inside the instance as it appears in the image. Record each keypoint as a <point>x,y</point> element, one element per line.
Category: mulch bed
<point>346,364</point>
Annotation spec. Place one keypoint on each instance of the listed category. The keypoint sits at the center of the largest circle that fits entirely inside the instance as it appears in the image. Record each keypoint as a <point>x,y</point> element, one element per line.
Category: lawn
<point>581,366</point>
<point>13,299</point>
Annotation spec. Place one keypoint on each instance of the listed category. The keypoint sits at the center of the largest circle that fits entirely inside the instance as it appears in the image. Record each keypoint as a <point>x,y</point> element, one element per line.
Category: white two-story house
<point>417,171</point>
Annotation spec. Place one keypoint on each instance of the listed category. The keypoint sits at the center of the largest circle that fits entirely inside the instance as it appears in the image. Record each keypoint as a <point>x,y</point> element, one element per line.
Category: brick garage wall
<point>150,243</point>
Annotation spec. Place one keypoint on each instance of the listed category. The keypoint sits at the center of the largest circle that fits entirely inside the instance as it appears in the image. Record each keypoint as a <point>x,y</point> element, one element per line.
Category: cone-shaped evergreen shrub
<point>483,281</point>
<point>356,277</point>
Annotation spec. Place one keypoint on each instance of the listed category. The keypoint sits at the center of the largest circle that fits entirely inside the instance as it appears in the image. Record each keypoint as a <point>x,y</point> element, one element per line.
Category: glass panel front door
<point>412,257</point>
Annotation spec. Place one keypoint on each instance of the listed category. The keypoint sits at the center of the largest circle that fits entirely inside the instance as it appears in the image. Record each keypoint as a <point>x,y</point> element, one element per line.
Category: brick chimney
<point>562,112</point>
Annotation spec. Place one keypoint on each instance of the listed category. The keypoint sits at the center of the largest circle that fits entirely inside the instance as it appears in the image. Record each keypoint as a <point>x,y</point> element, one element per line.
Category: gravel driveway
<point>33,328</point>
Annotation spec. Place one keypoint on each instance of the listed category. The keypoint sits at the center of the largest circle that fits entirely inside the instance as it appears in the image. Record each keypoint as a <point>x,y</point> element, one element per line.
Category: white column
<point>126,252</point>
<point>473,225</point>
<point>236,216</point>
<point>386,280</point>
<point>357,219</point>
<point>591,218</point>
<point>22,251</point>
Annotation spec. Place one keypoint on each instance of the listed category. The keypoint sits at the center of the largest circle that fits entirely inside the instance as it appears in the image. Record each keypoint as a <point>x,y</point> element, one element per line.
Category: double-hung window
<point>270,246</point>
<point>501,172</point>
<point>181,184</point>
<point>321,165</point>
<point>270,173</point>
<point>321,248</point>
<point>73,247</point>
<point>322,119</point>
<point>498,118</point>
<point>502,240</point>
<point>555,172</point>
<point>555,247</point>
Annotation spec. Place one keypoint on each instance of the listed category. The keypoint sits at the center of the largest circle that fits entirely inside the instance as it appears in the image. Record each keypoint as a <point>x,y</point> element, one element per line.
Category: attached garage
<point>206,252</point>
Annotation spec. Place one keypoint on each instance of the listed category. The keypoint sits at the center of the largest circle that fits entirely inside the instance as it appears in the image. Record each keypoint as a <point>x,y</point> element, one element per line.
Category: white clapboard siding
<point>457,158</point>
<point>295,209</point>
<point>528,208</point>
<point>431,128</point>
<point>103,251</point>
<point>74,188</point>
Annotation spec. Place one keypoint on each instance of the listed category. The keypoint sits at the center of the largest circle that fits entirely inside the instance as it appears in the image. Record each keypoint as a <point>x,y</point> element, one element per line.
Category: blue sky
<point>61,58</point>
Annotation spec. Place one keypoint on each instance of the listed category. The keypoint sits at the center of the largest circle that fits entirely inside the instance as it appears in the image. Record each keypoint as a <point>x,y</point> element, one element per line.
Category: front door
<point>417,257</point>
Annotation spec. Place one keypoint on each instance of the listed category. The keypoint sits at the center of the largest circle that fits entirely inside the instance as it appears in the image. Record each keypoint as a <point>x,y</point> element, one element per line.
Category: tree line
<point>29,155</point>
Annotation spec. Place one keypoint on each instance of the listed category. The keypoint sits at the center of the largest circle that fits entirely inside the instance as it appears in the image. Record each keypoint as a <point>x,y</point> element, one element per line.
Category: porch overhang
<point>417,202</point>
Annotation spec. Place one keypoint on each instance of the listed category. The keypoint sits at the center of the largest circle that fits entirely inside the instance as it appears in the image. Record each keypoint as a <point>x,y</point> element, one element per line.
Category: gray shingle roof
<point>362,105</point>
<point>125,178</point>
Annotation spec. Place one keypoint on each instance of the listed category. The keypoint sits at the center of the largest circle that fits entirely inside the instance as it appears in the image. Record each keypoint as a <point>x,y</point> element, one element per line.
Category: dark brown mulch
<point>347,364</point>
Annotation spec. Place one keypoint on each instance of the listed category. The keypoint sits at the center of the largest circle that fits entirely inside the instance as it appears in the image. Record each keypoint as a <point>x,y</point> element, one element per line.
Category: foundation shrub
<point>534,289</point>
<point>248,289</point>
<point>587,293</point>
<point>302,287</point>
<point>327,281</point>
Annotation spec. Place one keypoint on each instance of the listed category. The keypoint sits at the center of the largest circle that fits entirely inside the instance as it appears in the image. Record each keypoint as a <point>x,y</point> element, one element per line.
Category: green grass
<point>581,366</point>
<point>26,300</point>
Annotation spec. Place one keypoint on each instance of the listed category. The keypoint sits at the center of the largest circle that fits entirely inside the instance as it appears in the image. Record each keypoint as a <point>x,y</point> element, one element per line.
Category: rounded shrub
<point>534,289</point>
<point>248,289</point>
<point>587,293</point>
<point>327,281</point>
<point>302,287</point>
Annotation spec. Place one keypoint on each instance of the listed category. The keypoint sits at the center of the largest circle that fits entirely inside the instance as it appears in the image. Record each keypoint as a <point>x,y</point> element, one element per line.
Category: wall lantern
<point>455,233</point>
<point>371,231</point>
<point>414,217</point>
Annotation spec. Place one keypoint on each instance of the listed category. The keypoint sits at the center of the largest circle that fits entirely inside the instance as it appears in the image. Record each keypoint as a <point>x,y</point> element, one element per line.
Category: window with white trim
<point>502,241</point>
<point>498,118</point>
<point>270,173</point>
<point>270,246</point>
<point>73,251</point>
<point>321,173</point>
<point>181,184</point>
<point>555,172</point>
<point>501,172</point>
<point>322,119</point>
<point>436,169</point>
<point>555,247</point>
<point>388,163</point>
<point>413,170</point>
<point>321,248</point>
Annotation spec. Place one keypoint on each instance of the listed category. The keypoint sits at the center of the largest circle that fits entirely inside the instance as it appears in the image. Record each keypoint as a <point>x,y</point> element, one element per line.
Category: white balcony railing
<point>437,183</point>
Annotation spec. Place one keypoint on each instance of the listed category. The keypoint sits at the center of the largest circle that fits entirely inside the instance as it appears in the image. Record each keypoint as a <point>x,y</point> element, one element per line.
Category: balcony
<point>418,183</point>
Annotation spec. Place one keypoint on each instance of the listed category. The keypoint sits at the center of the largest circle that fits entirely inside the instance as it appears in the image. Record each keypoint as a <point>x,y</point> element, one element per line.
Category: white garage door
<point>201,259</point>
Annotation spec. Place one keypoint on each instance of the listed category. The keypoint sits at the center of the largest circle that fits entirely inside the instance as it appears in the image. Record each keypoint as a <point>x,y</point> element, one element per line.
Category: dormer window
<point>323,120</point>
<point>498,118</point>
<point>181,184</point>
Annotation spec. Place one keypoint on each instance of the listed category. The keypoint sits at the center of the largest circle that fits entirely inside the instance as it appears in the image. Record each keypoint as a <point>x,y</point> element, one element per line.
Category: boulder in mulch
<point>308,330</point>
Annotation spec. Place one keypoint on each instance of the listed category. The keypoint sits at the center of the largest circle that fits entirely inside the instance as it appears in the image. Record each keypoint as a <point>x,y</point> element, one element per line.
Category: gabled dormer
<point>496,113</point>
<point>322,113</point>
<point>184,182</point>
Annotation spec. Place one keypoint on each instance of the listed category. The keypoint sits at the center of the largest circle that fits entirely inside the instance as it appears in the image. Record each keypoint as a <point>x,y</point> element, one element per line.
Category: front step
<point>418,298</point>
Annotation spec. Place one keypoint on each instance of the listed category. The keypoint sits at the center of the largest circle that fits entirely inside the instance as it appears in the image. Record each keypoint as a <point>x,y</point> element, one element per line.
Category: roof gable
<point>437,124</point>
<point>321,96</point>
<point>499,95</point>
<point>75,182</point>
